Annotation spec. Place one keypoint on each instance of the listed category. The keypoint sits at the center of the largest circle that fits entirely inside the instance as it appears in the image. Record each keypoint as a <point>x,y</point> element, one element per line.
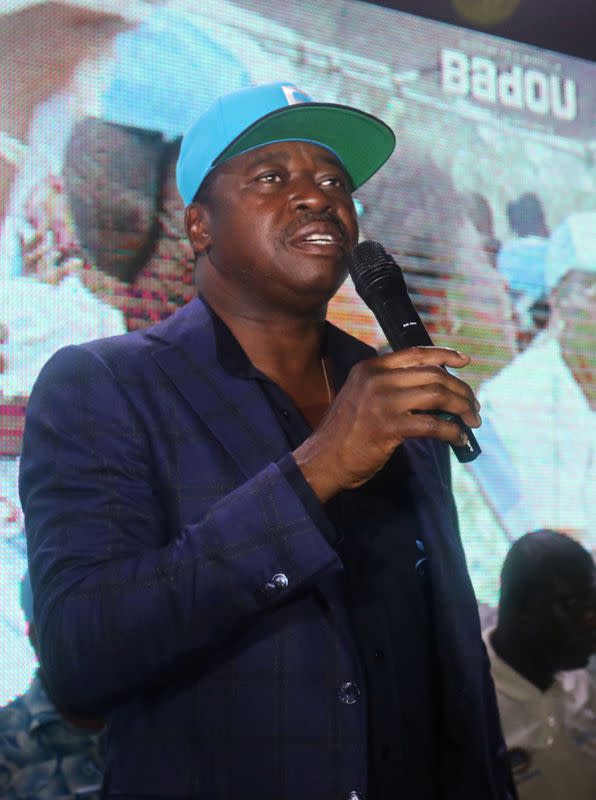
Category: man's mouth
<point>321,238</point>
<point>325,235</point>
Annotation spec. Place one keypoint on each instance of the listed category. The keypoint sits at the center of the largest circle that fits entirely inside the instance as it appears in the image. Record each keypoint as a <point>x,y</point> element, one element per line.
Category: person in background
<point>522,262</point>
<point>539,650</point>
<point>43,755</point>
<point>550,442</point>
<point>412,207</point>
<point>438,237</point>
<point>122,237</point>
<point>481,215</point>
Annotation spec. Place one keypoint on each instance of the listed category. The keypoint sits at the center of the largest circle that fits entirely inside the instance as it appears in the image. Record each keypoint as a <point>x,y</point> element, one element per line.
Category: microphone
<point>380,283</point>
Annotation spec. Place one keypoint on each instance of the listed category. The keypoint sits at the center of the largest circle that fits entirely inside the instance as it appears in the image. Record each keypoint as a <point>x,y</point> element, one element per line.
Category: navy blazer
<point>157,513</point>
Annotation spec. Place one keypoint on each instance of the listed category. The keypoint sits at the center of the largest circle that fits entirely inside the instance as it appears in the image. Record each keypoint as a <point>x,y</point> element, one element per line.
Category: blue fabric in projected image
<point>494,472</point>
<point>168,73</point>
<point>521,261</point>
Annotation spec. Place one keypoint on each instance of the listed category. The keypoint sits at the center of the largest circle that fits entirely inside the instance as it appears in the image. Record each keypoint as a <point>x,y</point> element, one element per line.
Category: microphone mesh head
<point>369,262</point>
<point>367,255</point>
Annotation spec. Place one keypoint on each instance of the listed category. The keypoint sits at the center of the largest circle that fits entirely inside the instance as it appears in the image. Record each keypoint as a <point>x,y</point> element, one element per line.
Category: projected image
<point>487,205</point>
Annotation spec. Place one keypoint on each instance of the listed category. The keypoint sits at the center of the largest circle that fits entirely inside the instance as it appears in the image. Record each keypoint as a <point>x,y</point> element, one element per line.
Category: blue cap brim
<point>362,142</point>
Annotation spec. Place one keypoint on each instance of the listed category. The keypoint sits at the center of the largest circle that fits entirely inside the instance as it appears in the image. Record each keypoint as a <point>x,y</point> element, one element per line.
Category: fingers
<point>405,385</point>
<point>433,426</point>
<point>385,401</point>
<point>393,401</point>
<point>421,356</point>
<point>432,398</point>
<point>423,375</point>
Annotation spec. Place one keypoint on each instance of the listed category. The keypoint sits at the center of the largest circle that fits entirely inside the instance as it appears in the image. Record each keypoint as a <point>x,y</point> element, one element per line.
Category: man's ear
<point>196,225</point>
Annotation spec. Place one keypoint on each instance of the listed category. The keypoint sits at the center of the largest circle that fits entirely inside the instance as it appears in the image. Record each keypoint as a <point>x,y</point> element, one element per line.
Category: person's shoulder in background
<point>44,755</point>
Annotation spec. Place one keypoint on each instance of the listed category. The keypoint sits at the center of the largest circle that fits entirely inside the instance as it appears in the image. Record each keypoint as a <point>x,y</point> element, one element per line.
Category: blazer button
<point>277,584</point>
<point>355,796</point>
<point>421,566</point>
<point>348,692</point>
<point>280,581</point>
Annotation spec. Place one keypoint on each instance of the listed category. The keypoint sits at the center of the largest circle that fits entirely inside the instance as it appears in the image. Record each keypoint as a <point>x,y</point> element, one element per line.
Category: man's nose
<point>307,194</point>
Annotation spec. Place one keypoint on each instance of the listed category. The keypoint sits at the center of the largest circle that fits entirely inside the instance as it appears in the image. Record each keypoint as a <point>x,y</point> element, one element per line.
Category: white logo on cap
<point>292,95</point>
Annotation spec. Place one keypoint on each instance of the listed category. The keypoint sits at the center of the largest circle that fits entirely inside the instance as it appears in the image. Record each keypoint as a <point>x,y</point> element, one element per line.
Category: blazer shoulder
<point>188,324</point>
<point>109,352</point>
<point>111,348</point>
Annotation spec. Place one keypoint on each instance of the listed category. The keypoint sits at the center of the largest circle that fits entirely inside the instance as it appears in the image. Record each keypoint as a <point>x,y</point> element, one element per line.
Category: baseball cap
<point>279,112</point>
<point>167,94</point>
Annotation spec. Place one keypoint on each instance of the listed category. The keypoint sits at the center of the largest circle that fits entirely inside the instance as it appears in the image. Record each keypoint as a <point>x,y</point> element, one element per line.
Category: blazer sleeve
<point>120,600</point>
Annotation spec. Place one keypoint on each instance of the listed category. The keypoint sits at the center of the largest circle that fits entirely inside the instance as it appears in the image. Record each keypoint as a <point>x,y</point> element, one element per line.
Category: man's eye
<point>269,177</point>
<point>334,180</point>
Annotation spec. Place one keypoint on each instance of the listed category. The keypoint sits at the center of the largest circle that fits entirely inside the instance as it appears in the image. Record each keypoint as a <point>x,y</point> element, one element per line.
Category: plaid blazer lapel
<point>234,409</point>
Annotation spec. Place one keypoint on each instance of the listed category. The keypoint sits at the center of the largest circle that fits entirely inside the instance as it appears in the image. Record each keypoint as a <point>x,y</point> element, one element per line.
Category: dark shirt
<point>387,592</point>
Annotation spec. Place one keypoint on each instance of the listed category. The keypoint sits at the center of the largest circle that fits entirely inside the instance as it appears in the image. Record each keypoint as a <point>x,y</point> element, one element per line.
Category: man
<point>152,273</point>
<point>545,634</point>
<point>64,83</point>
<point>43,755</point>
<point>522,262</point>
<point>411,205</point>
<point>242,552</point>
<point>551,439</point>
<point>413,208</point>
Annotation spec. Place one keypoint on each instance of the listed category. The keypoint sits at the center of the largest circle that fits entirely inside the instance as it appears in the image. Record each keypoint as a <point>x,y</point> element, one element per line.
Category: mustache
<point>308,217</point>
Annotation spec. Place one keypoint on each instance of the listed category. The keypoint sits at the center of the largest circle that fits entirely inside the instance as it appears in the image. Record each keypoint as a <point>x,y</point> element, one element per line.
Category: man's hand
<point>382,404</point>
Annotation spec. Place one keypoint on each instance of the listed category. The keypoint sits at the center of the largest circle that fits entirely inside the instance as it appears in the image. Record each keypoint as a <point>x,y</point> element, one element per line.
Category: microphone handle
<point>407,330</point>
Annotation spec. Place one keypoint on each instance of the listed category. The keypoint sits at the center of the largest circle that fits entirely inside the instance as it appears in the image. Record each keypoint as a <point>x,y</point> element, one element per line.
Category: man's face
<point>278,228</point>
<point>572,626</point>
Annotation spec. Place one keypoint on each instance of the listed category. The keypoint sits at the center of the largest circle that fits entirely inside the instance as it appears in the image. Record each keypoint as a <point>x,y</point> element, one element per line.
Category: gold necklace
<point>329,396</point>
